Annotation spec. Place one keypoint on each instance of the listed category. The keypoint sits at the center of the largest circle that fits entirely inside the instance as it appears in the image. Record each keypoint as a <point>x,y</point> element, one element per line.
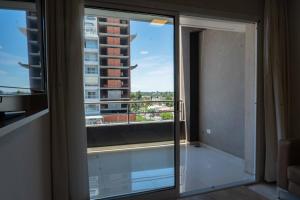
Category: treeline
<point>164,95</point>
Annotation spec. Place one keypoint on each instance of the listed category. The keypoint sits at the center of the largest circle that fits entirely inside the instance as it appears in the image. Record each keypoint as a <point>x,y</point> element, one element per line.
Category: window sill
<point>22,122</point>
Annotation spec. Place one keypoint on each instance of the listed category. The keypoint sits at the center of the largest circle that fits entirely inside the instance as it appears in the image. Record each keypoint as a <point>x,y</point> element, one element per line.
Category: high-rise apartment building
<point>34,66</point>
<point>106,68</point>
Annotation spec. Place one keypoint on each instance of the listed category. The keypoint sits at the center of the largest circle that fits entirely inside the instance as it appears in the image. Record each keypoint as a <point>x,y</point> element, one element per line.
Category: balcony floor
<point>118,171</point>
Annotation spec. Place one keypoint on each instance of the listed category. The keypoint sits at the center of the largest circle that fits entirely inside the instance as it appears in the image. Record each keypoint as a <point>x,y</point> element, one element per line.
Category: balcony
<point>114,41</point>
<point>114,56</point>
<point>144,111</point>
<point>105,97</point>
<point>114,45</point>
<point>91,71</point>
<point>114,31</point>
<point>113,84</point>
<point>113,67</point>
<point>120,138</point>
<point>112,24</point>
<point>91,58</point>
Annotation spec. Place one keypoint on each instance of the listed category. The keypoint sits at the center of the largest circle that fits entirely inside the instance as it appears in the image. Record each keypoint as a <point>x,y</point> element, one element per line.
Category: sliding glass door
<point>129,86</point>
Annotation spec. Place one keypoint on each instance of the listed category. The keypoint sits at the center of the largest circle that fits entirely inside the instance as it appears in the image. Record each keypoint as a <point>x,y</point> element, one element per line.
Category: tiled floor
<point>269,191</point>
<point>237,193</point>
<point>128,171</point>
<point>203,169</point>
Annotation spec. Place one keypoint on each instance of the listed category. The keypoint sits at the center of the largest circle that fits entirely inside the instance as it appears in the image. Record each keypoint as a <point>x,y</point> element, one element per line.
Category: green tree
<point>169,98</point>
<point>138,95</point>
<point>166,116</point>
<point>140,118</point>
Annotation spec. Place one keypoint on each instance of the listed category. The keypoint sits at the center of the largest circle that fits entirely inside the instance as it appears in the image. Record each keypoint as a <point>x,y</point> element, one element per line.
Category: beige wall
<point>222,91</point>
<point>25,162</point>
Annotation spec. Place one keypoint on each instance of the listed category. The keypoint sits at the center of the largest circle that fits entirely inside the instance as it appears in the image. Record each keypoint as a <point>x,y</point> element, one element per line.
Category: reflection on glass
<point>20,61</point>
<point>129,103</point>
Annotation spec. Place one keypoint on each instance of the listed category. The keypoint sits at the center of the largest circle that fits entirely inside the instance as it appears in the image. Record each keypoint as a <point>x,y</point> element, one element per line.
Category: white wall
<point>25,162</point>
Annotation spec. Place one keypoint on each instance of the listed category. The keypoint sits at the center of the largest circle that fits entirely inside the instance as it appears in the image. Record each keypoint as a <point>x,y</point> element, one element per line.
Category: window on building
<point>92,108</point>
<point>91,81</point>
<point>90,57</point>
<point>91,95</point>
<point>91,44</point>
<point>91,69</point>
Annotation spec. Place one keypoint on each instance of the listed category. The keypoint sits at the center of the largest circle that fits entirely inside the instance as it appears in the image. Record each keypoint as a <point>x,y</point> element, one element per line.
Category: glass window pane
<point>129,103</point>
<point>21,69</point>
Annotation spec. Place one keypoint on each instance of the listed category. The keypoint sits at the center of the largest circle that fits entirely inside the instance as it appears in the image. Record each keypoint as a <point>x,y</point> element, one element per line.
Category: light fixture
<point>158,22</point>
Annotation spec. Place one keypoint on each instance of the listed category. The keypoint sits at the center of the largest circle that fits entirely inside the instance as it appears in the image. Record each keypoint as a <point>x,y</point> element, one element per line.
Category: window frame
<point>30,103</point>
<point>171,192</point>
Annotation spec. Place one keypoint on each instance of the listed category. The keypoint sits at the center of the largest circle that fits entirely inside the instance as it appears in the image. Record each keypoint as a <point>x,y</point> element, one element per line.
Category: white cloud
<point>154,73</point>
<point>144,52</point>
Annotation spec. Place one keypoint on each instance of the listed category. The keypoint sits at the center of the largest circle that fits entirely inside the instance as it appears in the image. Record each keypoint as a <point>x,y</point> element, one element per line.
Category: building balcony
<point>114,86</point>
<point>113,67</point>
<point>92,100</point>
<point>32,17</point>
<point>89,74</point>
<point>36,42</point>
<point>112,24</point>
<point>113,45</point>
<point>90,19</point>
<point>117,88</point>
<point>91,35</point>
<point>114,34</point>
<point>114,56</point>
<point>33,29</point>
<point>34,54</point>
<point>92,112</point>
<point>114,77</point>
<point>106,97</point>
<point>91,62</point>
<point>92,50</point>
<point>113,109</point>
<point>109,40</point>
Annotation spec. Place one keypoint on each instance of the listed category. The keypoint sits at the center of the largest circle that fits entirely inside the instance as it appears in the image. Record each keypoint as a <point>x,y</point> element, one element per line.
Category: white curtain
<point>275,81</point>
<point>64,20</point>
<point>184,80</point>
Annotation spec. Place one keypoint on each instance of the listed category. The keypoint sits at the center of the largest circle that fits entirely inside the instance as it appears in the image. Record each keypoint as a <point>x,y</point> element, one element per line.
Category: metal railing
<point>137,111</point>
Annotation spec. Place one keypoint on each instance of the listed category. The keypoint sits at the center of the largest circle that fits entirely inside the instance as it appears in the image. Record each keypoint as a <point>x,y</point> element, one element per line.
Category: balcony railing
<point>132,112</point>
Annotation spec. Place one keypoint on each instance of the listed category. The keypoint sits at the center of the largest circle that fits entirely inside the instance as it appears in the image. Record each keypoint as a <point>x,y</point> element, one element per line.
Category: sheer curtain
<point>275,81</point>
<point>64,20</point>
<point>184,81</point>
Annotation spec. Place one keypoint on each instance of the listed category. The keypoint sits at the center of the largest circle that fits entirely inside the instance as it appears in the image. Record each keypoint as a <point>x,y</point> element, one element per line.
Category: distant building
<point>106,68</point>
<point>32,32</point>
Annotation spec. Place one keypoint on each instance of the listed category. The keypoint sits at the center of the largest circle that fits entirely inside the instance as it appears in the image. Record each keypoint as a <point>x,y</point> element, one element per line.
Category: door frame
<point>170,192</point>
<point>194,21</point>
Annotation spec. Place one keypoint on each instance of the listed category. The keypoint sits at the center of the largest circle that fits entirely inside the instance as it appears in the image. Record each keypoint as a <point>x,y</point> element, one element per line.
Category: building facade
<point>106,69</point>
<point>34,65</point>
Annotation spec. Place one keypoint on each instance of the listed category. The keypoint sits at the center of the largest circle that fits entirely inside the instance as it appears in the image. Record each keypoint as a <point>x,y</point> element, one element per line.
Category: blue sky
<point>152,50</point>
<point>13,49</point>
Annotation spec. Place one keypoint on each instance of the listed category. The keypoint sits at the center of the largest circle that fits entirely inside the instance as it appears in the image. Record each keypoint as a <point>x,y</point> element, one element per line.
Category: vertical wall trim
<point>194,85</point>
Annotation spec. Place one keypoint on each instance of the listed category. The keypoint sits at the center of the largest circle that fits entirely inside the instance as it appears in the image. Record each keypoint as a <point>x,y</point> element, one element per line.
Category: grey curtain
<point>275,81</point>
<point>64,20</point>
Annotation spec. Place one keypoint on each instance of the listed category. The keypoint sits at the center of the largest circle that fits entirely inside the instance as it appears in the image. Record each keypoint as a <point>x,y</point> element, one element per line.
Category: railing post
<point>128,120</point>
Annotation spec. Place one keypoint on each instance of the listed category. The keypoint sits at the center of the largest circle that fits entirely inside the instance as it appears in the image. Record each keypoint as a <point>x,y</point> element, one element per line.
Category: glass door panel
<point>130,114</point>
